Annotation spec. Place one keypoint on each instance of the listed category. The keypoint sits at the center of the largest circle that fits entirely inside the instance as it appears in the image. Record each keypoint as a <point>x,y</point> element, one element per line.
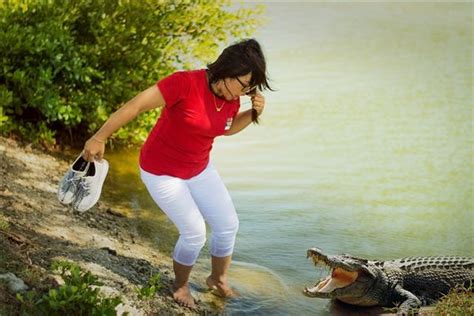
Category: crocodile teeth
<point>312,257</point>
<point>318,262</point>
<point>311,290</point>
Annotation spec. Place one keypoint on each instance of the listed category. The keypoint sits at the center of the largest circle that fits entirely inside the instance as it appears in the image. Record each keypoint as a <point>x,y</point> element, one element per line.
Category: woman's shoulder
<point>196,74</point>
<point>191,73</point>
<point>189,76</point>
<point>198,77</point>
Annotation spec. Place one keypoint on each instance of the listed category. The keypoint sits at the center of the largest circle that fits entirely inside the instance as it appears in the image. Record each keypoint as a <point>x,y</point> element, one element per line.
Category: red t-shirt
<point>180,143</point>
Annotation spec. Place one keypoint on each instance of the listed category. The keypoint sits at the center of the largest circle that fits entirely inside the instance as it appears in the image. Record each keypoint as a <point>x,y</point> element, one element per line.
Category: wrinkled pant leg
<point>215,204</point>
<point>172,195</point>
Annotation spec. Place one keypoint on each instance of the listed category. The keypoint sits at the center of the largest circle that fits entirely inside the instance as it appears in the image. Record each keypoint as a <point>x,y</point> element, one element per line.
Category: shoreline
<point>38,230</point>
<point>35,230</point>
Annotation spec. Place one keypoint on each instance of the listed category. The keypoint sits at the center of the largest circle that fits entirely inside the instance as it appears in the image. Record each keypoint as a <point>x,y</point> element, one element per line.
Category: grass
<point>153,285</point>
<point>460,301</point>
<point>4,226</point>
<point>9,262</point>
<point>79,295</point>
<point>13,259</point>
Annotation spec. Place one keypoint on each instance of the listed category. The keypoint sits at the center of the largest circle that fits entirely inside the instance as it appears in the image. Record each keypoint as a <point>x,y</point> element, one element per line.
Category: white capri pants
<point>188,203</point>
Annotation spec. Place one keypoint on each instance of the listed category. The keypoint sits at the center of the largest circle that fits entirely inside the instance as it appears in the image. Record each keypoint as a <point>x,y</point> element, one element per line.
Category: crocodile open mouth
<point>338,277</point>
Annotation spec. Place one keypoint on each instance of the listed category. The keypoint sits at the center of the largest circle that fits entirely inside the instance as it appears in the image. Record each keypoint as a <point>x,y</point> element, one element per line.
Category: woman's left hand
<point>258,102</point>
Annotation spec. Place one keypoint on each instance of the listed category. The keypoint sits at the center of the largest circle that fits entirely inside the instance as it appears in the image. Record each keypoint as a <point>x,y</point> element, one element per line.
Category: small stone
<point>15,284</point>
<point>110,251</point>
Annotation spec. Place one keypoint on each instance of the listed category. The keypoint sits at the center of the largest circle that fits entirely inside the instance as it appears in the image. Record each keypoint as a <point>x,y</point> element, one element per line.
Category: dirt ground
<point>40,229</point>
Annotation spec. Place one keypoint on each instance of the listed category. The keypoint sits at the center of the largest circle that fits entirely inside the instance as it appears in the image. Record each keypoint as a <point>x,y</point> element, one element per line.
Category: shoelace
<point>70,181</point>
<point>84,188</point>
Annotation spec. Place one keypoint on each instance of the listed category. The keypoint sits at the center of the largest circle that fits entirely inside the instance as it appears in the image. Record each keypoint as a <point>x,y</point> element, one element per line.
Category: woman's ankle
<point>219,279</point>
<point>221,287</point>
<point>180,285</point>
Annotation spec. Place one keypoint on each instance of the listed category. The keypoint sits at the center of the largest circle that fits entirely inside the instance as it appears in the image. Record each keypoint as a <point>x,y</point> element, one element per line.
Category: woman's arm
<point>243,119</point>
<point>149,99</point>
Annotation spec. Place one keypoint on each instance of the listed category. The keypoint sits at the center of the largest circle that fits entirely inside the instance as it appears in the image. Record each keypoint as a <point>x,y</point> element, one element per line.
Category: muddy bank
<point>37,229</point>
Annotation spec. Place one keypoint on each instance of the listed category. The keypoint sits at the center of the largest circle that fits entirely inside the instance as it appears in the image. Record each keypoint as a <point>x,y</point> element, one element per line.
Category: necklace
<point>218,108</point>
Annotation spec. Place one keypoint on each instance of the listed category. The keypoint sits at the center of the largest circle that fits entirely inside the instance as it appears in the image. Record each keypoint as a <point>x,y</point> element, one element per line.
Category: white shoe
<point>90,186</point>
<point>70,182</point>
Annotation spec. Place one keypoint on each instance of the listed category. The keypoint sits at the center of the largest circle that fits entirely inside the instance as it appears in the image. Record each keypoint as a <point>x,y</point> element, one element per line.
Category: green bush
<point>153,285</point>
<point>67,65</point>
<point>77,296</point>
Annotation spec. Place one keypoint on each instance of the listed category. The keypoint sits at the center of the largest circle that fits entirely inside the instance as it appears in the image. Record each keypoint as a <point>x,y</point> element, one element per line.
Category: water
<point>366,148</point>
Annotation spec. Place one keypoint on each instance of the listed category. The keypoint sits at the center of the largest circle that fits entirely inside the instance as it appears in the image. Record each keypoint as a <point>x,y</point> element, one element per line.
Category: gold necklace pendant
<point>218,108</point>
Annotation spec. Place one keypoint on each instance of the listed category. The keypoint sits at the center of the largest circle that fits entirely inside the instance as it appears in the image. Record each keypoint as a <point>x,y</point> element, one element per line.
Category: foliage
<point>459,301</point>
<point>67,65</point>
<point>78,296</point>
<point>4,226</point>
<point>153,285</point>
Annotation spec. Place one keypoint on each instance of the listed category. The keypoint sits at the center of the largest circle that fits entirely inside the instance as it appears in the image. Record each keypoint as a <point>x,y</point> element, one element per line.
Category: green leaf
<point>71,64</point>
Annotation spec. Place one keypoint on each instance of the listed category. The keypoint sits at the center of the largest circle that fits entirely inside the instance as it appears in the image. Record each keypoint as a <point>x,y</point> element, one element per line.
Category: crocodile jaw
<point>340,276</point>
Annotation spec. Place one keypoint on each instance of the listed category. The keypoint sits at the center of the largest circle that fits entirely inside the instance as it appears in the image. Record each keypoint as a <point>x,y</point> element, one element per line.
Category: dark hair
<point>238,60</point>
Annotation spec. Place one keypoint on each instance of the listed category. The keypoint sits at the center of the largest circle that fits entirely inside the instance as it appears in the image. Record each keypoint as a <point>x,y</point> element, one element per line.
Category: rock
<point>113,252</point>
<point>126,309</point>
<point>14,283</point>
<point>114,213</point>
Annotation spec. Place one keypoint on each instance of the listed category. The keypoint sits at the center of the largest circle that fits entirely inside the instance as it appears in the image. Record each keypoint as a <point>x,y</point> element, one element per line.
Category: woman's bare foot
<point>222,288</point>
<point>182,296</point>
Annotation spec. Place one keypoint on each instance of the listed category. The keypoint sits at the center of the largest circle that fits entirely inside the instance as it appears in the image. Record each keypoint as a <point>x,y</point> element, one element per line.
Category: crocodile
<point>406,283</point>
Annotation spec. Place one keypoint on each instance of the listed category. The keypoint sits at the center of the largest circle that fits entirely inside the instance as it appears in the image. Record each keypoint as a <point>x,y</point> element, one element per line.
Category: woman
<point>197,106</point>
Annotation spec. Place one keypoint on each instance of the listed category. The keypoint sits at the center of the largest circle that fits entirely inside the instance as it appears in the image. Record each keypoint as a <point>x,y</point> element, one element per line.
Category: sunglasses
<point>246,89</point>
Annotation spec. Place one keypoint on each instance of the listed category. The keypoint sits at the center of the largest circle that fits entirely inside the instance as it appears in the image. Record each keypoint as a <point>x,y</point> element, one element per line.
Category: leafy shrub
<point>77,296</point>
<point>153,285</point>
<point>67,65</point>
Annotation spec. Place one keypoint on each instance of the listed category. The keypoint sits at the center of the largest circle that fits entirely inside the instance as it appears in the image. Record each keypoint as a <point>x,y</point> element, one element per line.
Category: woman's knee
<point>226,232</point>
<point>189,245</point>
<point>223,241</point>
<point>234,226</point>
<point>195,237</point>
<point>194,241</point>
<point>230,226</point>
